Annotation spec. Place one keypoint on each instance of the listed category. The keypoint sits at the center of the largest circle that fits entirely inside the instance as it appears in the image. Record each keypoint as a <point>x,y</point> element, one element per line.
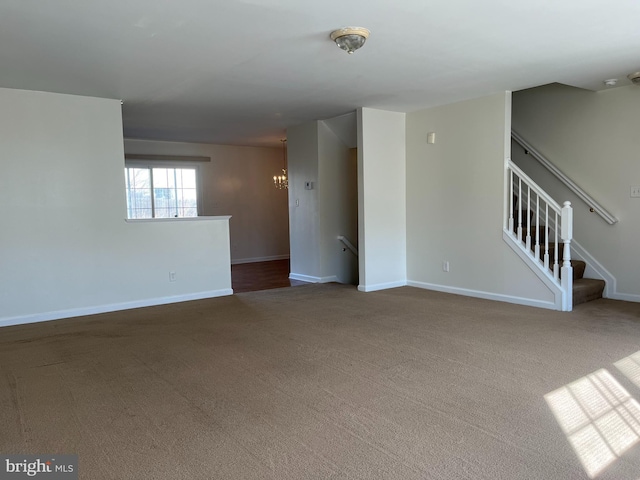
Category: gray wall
<point>304,209</point>
<point>593,138</point>
<point>455,204</point>
<point>318,216</point>
<point>65,247</point>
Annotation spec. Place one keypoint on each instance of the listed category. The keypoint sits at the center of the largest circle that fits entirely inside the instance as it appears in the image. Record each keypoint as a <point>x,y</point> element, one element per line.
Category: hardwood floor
<point>250,277</point>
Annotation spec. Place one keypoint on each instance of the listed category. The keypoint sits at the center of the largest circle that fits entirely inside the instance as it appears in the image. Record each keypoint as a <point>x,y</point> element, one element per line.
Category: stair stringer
<point>594,269</point>
<point>529,260</point>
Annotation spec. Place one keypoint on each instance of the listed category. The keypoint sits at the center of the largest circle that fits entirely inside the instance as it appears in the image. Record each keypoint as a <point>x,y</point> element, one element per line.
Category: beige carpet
<point>322,381</point>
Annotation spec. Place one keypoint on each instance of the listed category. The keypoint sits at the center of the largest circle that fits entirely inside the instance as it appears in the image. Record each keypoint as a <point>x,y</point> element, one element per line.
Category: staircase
<point>541,231</point>
<point>584,289</point>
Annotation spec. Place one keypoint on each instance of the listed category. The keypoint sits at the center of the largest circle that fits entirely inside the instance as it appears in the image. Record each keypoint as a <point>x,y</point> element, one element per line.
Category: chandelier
<point>281,181</point>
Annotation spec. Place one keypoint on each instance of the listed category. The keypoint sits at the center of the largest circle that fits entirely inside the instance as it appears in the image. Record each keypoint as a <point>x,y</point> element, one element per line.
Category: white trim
<point>113,307</point>
<point>486,295</point>
<point>382,286</point>
<point>176,219</point>
<point>627,297</point>
<point>533,264</point>
<point>259,259</point>
<point>310,279</point>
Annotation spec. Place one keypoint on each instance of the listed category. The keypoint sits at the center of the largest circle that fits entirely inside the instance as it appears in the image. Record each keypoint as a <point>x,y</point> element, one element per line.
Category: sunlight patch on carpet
<point>599,417</point>
<point>630,367</point>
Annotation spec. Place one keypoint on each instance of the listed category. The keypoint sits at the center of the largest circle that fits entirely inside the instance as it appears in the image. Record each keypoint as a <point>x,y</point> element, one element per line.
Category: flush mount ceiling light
<point>634,77</point>
<point>350,39</point>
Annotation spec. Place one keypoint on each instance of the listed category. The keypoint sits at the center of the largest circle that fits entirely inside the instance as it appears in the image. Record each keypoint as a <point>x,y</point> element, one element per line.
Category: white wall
<point>381,199</point>
<point>304,209</point>
<point>65,248</point>
<point>593,138</point>
<point>338,202</point>
<point>318,216</point>
<point>238,181</point>
<point>455,204</point>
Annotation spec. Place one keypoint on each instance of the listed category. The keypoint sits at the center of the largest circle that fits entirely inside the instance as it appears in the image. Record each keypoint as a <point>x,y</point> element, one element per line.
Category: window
<point>161,191</point>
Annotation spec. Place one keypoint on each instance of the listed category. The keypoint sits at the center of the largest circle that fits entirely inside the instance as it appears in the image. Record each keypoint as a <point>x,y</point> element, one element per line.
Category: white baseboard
<point>113,307</point>
<point>381,286</point>
<point>310,279</point>
<point>259,259</point>
<point>486,295</point>
<point>627,297</point>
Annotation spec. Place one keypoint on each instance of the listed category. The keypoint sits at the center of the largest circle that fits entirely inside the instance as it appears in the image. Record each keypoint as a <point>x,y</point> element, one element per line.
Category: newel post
<point>566,273</point>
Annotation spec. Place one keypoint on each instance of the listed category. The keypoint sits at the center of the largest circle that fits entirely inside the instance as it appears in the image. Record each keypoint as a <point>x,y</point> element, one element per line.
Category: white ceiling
<point>242,71</point>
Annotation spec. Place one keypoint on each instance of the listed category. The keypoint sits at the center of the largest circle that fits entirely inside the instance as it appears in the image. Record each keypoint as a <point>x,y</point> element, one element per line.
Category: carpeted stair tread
<point>587,289</point>
<point>584,289</point>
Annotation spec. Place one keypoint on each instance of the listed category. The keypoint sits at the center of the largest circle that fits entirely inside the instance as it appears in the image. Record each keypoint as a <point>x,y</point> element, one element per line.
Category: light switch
<point>635,191</point>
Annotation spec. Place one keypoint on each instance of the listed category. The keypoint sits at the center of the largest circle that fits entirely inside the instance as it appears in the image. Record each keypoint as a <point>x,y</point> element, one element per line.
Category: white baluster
<point>528,218</point>
<point>511,201</point>
<point>546,237</point>
<point>567,269</point>
<point>556,269</point>
<point>537,248</point>
<point>519,209</point>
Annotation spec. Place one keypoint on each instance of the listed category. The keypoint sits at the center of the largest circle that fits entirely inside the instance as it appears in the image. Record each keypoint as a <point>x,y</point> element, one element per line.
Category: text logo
<point>43,467</point>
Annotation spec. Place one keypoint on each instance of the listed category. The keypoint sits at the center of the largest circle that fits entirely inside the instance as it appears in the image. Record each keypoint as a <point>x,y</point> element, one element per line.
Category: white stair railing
<point>534,220</point>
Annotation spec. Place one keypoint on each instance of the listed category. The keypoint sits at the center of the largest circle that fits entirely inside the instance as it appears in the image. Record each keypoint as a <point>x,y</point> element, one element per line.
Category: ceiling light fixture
<point>350,39</point>
<point>281,181</point>
<point>611,82</point>
<point>634,77</point>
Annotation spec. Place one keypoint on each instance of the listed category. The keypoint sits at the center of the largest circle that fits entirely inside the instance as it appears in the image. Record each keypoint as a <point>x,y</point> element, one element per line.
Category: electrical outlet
<point>445,266</point>
<point>635,191</point>
<point>172,276</point>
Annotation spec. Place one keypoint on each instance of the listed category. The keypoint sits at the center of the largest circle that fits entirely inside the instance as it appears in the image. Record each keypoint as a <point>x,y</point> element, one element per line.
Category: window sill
<point>178,219</point>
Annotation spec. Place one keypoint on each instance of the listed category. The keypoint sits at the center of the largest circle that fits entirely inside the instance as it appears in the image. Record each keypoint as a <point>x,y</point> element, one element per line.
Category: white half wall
<point>381,199</point>
<point>65,247</point>
<point>593,138</point>
<point>237,182</point>
<point>455,198</point>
